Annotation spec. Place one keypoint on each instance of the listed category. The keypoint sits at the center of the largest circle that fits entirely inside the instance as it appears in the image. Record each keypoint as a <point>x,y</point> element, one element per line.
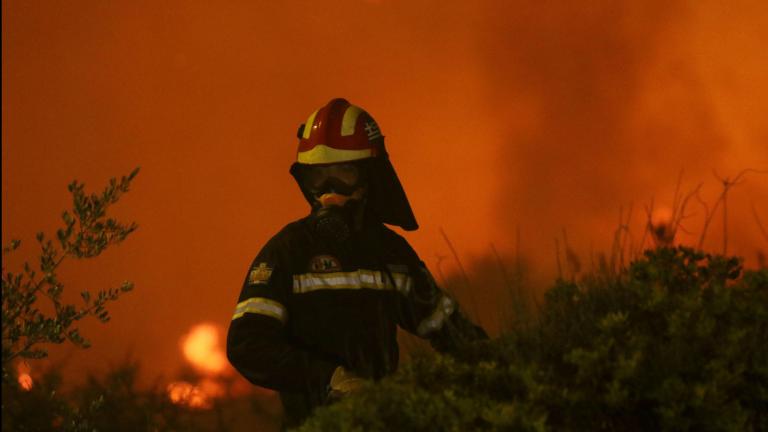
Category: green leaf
<point>126,286</point>
<point>12,246</point>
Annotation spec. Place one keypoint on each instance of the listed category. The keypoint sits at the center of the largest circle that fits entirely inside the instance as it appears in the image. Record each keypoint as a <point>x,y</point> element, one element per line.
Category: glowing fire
<point>184,393</point>
<point>195,396</point>
<point>202,348</point>
<point>25,379</point>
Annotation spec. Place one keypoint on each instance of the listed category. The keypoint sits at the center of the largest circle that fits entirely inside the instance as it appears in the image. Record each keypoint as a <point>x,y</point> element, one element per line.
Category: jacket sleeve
<point>258,344</point>
<point>428,312</point>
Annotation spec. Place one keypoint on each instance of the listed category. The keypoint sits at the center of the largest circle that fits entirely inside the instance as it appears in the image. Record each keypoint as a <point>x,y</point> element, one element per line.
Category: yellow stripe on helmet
<point>350,120</point>
<point>308,125</point>
<point>322,154</point>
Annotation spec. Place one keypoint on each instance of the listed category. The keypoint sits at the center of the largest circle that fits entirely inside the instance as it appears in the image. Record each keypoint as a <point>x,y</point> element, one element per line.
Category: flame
<point>202,348</point>
<point>185,393</point>
<point>195,396</point>
<point>25,379</point>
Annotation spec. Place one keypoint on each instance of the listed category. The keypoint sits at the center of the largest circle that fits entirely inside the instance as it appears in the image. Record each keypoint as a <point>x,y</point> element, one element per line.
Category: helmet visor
<point>315,177</point>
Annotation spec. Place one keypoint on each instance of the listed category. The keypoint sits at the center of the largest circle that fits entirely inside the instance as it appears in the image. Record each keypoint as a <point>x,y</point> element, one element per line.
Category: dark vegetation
<point>36,315</point>
<point>659,338</point>
<point>111,403</point>
<point>116,403</point>
<point>674,339</point>
<point>87,232</point>
<point>679,341</point>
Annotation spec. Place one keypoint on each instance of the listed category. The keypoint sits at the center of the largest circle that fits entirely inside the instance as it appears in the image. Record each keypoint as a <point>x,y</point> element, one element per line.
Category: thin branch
<point>676,197</point>
<point>440,274</point>
<point>757,220</point>
<point>518,262</point>
<point>463,272</point>
<point>507,283</point>
<point>648,225</point>
<point>727,185</point>
<point>557,256</point>
<point>626,236</point>
<point>571,259</point>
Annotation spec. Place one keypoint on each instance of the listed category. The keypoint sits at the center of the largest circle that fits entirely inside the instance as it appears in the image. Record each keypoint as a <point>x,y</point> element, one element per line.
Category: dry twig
<point>722,199</point>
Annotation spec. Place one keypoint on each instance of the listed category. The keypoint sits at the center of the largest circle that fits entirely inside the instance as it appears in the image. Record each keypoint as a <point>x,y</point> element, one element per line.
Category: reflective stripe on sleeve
<point>358,279</point>
<point>261,306</point>
<point>436,319</point>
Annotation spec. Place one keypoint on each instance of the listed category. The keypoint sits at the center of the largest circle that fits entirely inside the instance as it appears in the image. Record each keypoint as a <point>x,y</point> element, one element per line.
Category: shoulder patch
<point>259,274</point>
<point>324,264</point>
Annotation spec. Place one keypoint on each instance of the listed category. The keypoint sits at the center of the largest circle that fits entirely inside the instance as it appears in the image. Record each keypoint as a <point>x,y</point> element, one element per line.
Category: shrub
<point>678,341</point>
<point>87,232</point>
<point>27,328</point>
<point>109,403</point>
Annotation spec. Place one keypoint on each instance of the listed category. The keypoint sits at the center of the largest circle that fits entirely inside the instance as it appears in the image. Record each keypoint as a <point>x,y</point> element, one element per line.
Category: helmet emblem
<point>372,129</point>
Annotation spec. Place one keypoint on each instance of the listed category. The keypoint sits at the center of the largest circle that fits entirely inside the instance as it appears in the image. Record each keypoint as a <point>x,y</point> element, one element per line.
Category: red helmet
<point>341,132</point>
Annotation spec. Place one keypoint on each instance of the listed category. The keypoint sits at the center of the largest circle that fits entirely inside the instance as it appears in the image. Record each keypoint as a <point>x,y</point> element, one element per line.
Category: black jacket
<point>308,306</point>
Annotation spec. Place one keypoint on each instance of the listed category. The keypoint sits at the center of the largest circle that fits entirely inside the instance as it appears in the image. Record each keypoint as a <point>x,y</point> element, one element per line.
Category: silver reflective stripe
<point>261,306</point>
<point>358,279</point>
<point>434,322</point>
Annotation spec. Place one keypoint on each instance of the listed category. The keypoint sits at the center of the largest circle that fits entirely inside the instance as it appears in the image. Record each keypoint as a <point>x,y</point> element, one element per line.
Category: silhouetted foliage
<point>678,341</point>
<point>87,232</point>
<point>113,402</point>
<point>110,403</point>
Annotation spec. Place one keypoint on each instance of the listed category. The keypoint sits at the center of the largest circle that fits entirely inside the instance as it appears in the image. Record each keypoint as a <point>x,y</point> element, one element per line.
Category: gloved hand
<point>456,333</point>
<point>343,383</point>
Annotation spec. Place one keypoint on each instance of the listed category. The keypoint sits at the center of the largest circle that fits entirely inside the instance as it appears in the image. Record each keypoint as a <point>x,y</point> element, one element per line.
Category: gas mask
<point>339,195</point>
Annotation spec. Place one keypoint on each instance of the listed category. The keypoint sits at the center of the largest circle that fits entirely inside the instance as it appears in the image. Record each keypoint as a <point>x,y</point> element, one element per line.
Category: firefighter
<point>319,309</point>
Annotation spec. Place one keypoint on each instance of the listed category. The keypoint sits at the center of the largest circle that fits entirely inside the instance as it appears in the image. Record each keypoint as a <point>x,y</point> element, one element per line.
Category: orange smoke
<point>603,104</point>
<point>202,349</point>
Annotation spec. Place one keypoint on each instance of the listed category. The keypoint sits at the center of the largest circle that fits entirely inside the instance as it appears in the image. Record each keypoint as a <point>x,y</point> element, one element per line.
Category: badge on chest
<point>324,264</point>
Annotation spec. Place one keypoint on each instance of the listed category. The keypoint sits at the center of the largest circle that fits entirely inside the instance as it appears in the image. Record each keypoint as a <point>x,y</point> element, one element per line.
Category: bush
<point>87,232</point>
<point>110,403</point>
<point>678,341</point>
<point>28,329</point>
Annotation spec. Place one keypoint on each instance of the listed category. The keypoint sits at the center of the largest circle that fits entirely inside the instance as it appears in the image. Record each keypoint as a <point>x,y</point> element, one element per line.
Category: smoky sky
<point>602,104</point>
